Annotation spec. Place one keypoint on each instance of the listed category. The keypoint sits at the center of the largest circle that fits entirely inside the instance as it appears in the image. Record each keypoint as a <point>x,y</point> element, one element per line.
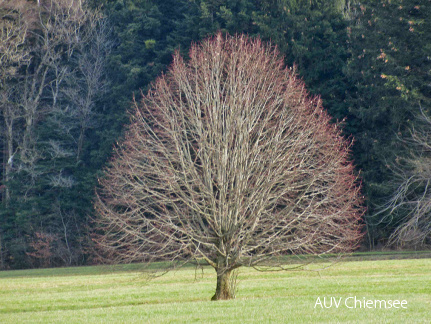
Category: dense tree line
<point>389,70</point>
<point>69,70</point>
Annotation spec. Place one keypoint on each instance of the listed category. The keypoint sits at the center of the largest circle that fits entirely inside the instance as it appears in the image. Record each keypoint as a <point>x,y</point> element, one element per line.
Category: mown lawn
<point>124,295</point>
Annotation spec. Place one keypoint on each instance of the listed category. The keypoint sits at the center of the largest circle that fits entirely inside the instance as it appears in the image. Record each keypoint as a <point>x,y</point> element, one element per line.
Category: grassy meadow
<point>122,294</point>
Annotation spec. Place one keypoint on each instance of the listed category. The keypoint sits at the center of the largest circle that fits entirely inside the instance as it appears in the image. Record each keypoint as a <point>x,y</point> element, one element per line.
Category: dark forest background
<point>69,72</point>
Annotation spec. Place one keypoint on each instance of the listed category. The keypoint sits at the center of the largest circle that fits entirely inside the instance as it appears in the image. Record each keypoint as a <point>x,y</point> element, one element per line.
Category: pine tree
<point>389,71</point>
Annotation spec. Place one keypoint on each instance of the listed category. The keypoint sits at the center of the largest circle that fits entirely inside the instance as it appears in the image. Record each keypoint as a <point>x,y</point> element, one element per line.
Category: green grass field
<point>123,294</point>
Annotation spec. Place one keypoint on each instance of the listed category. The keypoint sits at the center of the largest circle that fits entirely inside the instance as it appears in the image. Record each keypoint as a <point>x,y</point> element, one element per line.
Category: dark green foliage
<point>369,62</point>
<point>389,72</point>
<point>313,36</point>
<point>148,32</point>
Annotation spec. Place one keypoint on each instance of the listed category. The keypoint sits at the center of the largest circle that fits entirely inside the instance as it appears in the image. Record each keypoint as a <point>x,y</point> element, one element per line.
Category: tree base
<point>224,289</point>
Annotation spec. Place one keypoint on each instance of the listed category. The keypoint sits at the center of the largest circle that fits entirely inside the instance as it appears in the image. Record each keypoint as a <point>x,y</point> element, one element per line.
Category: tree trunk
<point>223,290</point>
<point>1,253</point>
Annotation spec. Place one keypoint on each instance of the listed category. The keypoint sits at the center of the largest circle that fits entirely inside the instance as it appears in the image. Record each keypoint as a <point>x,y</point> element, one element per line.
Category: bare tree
<point>52,73</point>
<point>228,160</point>
<point>47,53</point>
<point>36,44</point>
<point>88,83</point>
<point>56,36</point>
<point>13,55</point>
<point>410,204</point>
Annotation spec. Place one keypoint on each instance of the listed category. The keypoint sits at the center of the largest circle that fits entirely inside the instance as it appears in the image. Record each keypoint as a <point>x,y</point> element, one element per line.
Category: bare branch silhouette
<point>229,160</point>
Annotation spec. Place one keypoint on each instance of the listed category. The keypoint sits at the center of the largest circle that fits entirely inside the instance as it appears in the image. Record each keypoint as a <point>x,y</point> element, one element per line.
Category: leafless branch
<point>411,200</point>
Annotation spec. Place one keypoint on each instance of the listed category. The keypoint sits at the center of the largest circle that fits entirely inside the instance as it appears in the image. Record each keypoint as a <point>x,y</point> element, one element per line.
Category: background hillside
<point>69,74</point>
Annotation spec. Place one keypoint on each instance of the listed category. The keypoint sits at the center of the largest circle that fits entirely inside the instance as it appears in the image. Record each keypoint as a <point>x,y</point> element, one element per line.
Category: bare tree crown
<point>228,159</point>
